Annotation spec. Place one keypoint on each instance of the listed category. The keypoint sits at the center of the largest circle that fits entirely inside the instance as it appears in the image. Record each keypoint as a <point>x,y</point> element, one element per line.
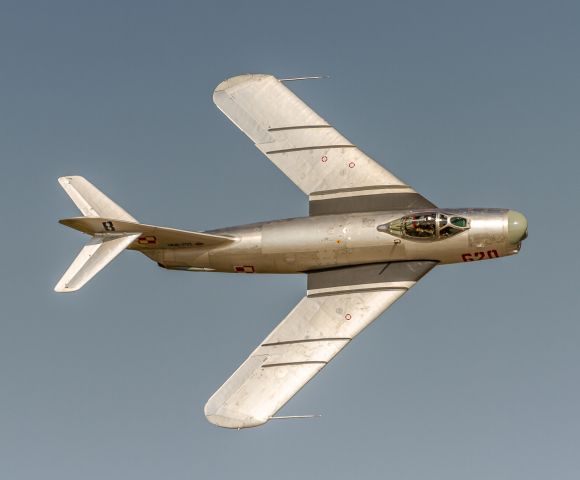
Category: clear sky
<point>473,374</point>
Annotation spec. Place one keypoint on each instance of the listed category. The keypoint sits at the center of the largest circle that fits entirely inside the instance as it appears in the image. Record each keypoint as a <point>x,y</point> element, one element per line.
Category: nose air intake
<point>517,227</point>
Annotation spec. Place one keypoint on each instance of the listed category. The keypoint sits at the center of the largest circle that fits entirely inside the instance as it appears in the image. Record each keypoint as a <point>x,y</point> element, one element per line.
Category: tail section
<point>113,230</point>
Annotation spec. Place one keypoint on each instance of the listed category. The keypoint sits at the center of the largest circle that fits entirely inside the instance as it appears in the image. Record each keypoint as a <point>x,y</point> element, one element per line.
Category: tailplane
<point>93,257</point>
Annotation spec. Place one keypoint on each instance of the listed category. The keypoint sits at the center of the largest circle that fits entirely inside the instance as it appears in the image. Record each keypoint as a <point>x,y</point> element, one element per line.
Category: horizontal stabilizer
<point>93,257</point>
<point>150,236</point>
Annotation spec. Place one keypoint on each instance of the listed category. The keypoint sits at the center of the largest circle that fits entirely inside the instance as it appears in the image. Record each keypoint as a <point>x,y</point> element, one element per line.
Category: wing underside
<point>336,175</point>
<point>339,304</point>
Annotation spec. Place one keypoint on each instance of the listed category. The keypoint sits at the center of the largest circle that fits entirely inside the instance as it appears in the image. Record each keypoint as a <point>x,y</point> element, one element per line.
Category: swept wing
<point>339,304</point>
<point>336,175</point>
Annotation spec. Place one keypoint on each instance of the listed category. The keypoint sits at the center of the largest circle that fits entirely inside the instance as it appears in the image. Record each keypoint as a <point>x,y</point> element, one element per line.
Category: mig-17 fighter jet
<point>368,239</point>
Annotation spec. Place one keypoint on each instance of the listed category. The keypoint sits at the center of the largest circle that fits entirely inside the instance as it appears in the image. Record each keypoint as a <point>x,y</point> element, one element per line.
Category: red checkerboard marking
<point>244,269</point>
<point>147,240</point>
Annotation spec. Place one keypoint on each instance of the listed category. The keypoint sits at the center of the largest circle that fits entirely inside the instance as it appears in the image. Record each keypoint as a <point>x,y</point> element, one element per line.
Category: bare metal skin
<point>368,239</point>
<point>313,243</point>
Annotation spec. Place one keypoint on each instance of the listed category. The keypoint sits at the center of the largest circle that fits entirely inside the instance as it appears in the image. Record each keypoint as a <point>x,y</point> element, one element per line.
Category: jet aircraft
<point>368,239</point>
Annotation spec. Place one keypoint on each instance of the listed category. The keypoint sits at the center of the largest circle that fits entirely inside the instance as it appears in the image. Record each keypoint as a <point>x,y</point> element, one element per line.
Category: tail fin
<point>91,201</point>
<point>100,249</point>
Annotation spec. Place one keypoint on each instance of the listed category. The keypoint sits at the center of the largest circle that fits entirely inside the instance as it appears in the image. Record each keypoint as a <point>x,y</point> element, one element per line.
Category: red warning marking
<point>244,269</point>
<point>147,240</point>
<point>324,158</point>
<point>351,165</point>
<point>348,316</point>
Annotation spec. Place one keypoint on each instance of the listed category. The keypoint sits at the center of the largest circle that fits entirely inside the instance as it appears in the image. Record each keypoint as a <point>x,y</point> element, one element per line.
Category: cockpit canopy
<point>426,226</point>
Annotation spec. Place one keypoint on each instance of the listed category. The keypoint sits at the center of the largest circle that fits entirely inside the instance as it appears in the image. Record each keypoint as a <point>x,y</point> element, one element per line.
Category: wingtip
<point>221,416</point>
<point>235,423</point>
<point>65,179</point>
<point>238,79</point>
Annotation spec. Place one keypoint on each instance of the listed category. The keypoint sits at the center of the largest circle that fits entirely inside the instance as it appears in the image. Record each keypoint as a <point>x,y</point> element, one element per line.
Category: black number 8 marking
<point>108,226</point>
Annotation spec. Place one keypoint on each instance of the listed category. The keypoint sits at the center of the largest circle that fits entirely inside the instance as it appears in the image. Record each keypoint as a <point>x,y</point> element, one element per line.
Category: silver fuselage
<point>325,241</point>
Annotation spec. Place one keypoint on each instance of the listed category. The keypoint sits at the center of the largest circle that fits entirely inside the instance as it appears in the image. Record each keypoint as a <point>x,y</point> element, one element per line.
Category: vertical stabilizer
<point>91,201</point>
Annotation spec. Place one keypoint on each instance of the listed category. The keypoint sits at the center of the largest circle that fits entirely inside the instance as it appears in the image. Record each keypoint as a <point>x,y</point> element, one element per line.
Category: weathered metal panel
<point>369,203</point>
<point>376,273</point>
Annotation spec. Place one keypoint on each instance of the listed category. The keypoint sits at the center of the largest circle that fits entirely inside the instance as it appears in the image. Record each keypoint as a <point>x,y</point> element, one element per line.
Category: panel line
<point>298,127</point>
<point>359,290</point>
<point>286,364</point>
<point>314,147</point>
<point>356,189</point>
<point>306,340</point>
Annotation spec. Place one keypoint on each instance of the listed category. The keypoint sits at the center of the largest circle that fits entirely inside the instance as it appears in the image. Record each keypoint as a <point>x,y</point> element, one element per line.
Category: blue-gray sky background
<point>473,374</point>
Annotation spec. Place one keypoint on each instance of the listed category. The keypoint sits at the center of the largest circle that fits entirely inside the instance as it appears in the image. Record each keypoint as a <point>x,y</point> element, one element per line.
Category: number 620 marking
<point>473,257</point>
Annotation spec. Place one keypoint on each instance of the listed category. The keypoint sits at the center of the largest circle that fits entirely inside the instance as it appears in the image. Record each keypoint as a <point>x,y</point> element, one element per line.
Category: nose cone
<point>517,227</point>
